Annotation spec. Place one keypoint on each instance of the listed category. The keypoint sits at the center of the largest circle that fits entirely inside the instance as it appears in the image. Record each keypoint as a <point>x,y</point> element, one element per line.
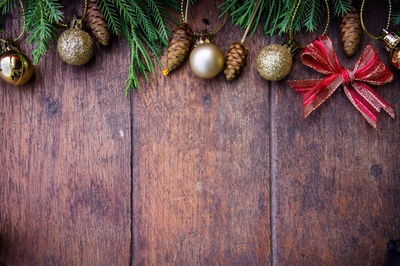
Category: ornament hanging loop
<point>7,45</point>
<point>76,23</point>
<point>387,24</point>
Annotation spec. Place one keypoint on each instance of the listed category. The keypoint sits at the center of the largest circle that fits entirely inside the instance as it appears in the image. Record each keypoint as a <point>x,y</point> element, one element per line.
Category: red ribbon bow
<point>320,56</point>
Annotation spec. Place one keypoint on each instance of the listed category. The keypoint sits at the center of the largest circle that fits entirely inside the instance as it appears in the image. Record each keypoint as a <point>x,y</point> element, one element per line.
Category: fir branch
<point>40,18</point>
<point>7,5</point>
<point>341,7</point>
<point>110,15</point>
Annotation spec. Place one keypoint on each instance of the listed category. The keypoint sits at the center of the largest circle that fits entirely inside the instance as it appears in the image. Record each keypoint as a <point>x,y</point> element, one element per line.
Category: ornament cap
<point>203,37</point>
<point>293,46</point>
<point>391,40</point>
<point>76,23</point>
<point>8,45</point>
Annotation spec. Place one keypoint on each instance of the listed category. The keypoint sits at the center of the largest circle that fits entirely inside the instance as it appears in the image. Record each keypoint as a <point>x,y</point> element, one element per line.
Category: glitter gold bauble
<point>75,46</point>
<point>274,62</point>
<point>391,42</point>
<point>396,58</point>
<point>206,60</point>
<point>15,67</point>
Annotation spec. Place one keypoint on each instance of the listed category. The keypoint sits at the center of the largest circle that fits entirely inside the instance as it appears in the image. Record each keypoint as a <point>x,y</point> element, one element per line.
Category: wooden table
<point>193,172</point>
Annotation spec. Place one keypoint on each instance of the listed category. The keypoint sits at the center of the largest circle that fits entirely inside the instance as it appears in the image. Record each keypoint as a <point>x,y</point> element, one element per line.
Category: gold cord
<point>23,18</point>
<point>81,19</point>
<point>251,21</point>
<point>362,21</point>
<point>184,18</point>
<point>294,16</point>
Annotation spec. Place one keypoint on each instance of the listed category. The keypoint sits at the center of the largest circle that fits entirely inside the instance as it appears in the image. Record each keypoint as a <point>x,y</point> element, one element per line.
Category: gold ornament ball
<point>75,47</point>
<point>274,62</point>
<point>206,60</point>
<point>396,58</point>
<point>15,68</point>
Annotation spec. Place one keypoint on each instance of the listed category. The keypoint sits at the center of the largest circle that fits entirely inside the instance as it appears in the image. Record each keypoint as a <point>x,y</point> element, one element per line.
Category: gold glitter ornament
<point>75,46</point>
<point>206,59</point>
<point>15,67</point>
<point>275,61</point>
<point>391,42</point>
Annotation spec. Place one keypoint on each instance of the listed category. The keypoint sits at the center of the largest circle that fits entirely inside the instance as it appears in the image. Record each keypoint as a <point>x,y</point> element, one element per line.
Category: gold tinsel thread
<point>274,62</point>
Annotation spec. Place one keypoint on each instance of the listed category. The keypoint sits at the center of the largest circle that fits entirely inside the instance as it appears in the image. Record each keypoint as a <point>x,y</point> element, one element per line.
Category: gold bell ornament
<point>74,45</point>
<point>206,59</point>
<point>391,42</point>
<point>15,67</point>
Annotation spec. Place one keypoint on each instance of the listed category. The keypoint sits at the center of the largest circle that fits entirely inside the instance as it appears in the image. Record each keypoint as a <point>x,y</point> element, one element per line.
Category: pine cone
<point>179,47</point>
<point>235,60</point>
<point>351,32</point>
<point>97,23</point>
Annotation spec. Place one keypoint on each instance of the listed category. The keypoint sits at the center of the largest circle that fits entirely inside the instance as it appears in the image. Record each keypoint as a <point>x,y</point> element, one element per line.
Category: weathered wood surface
<point>335,179</point>
<point>202,172</point>
<point>201,164</point>
<point>65,179</point>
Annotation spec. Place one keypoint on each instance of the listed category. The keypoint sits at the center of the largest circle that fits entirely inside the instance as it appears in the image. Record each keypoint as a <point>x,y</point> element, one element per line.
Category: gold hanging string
<point>294,16</point>
<point>362,21</point>
<point>184,18</point>
<point>23,19</point>
<point>81,19</point>
<point>251,21</point>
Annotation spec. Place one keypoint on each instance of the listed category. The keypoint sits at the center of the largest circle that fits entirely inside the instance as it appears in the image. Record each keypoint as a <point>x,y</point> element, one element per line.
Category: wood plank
<point>65,179</point>
<point>335,178</point>
<point>201,164</point>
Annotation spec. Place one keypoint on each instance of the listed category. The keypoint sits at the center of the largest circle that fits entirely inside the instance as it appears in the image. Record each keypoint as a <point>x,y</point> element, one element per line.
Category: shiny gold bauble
<point>15,67</point>
<point>396,58</point>
<point>274,62</point>
<point>75,47</point>
<point>206,60</point>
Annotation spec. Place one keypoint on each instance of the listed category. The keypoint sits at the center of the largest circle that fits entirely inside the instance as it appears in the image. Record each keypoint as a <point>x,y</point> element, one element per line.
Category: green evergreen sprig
<point>41,19</point>
<point>277,14</point>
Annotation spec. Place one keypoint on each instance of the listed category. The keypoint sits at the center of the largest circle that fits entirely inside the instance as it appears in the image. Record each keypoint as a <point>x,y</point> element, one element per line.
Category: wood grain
<point>201,164</point>
<point>65,180</point>
<point>336,185</point>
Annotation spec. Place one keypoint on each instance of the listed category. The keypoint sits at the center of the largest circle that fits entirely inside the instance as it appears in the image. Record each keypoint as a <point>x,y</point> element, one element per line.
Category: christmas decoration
<point>74,45</point>
<point>274,62</point>
<point>237,53</point>
<point>179,47</point>
<point>206,59</point>
<point>15,67</point>
<point>351,32</point>
<point>97,23</point>
<point>235,60</point>
<point>391,41</point>
<point>320,56</point>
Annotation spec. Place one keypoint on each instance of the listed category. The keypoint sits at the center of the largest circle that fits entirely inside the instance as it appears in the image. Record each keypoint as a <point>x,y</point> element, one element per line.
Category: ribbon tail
<point>303,86</point>
<point>320,92</point>
<point>367,102</point>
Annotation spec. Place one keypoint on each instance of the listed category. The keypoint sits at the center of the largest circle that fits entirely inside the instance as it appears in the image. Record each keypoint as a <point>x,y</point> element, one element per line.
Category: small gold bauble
<point>206,60</point>
<point>75,46</point>
<point>274,62</point>
<point>15,67</point>
<point>396,58</point>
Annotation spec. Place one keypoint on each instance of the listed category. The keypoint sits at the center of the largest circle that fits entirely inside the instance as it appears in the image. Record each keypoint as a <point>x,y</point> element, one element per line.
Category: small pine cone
<point>179,47</point>
<point>97,23</point>
<point>235,60</point>
<point>351,32</point>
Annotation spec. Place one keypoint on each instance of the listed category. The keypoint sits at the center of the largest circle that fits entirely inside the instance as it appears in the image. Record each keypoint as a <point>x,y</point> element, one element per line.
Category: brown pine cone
<point>179,47</point>
<point>235,60</point>
<point>97,23</point>
<point>351,32</point>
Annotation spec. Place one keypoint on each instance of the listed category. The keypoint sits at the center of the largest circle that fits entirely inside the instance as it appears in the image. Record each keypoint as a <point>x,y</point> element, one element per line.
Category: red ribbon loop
<point>321,56</point>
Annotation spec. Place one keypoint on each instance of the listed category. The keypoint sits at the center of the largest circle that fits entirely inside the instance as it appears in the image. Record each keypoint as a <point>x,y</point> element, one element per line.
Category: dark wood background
<point>193,172</point>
